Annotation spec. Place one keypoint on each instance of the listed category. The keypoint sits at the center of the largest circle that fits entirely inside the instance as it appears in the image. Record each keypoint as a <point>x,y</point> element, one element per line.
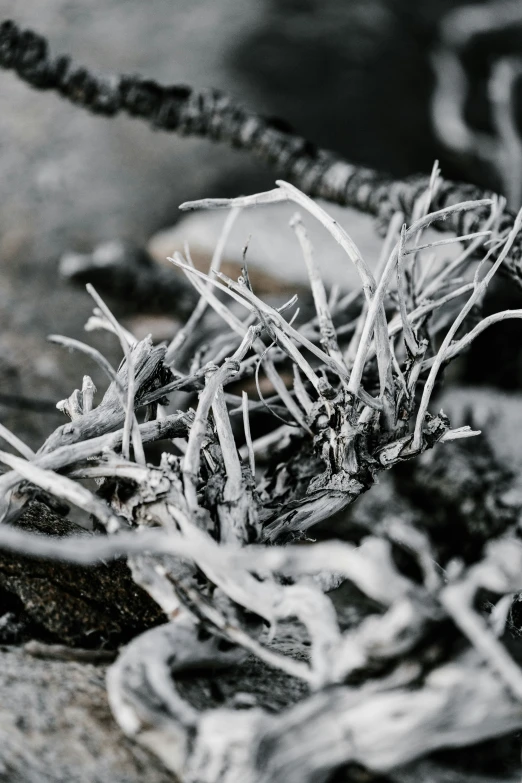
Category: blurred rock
<point>274,257</point>
<point>275,260</point>
<point>56,727</point>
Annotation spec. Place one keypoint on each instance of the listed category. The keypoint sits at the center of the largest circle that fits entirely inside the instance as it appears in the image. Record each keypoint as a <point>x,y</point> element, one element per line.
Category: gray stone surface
<point>56,727</point>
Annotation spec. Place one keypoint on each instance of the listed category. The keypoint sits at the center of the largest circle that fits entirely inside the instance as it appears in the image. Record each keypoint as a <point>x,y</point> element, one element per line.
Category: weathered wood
<point>415,664</point>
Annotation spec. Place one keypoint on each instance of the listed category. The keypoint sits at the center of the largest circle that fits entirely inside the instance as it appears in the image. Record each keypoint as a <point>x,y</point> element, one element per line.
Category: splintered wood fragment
<point>65,488</point>
<point>68,454</point>
<point>199,311</point>
<point>110,413</point>
<point>88,392</point>
<point>326,326</point>
<point>248,436</point>
<point>131,423</point>
<point>72,406</point>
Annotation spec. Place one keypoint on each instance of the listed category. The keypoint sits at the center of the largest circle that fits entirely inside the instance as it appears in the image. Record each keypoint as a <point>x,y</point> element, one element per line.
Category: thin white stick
<point>394,227</point>
<point>16,443</point>
<point>422,208</point>
<point>240,328</point>
<point>377,300</point>
<point>285,396</point>
<point>335,290</point>
<point>248,436</point>
<point>333,228</point>
<point>190,464</point>
<point>99,321</point>
<point>221,309</point>
<point>287,192</point>
<point>427,266</point>
<point>421,311</point>
<point>466,341</point>
<point>131,423</point>
<point>199,311</point>
<point>234,482</point>
<point>300,391</point>
<point>242,202</point>
<point>448,241</point>
<point>423,204</point>
<point>409,337</point>
<point>497,207</point>
<point>299,359</point>
<point>262,444</point>
<point>478,291</point>
<point>276,318</point>
<point>324,316</point>
<point>384,361</point>
<point>397,368</point>
<point>251,302</point>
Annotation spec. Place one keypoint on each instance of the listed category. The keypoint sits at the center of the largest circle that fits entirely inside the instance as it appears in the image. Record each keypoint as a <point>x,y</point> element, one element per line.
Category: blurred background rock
<point>353,76</point>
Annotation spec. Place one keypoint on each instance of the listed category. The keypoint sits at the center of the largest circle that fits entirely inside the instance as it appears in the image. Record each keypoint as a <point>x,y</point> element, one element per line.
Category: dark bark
<point>93,607</point>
